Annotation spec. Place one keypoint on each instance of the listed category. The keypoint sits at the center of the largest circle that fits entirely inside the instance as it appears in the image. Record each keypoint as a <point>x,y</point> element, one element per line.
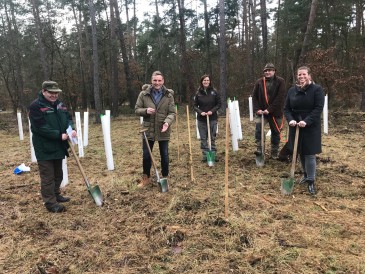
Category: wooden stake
<point>226,165</point>
<point>190,153</point>
<point>177,133</point>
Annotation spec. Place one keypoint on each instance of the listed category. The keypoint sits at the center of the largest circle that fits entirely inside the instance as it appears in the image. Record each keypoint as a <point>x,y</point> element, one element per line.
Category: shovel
<point>93,190</point>
<point>260,159</point>
<point>162,183</point>
<point>287,185</point>
<point>210,153</point>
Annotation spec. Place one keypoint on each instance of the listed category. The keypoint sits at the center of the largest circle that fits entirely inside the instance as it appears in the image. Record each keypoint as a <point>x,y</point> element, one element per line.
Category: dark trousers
<point>164,154</point>
<point>275,134</point>
<point>51,175</point>
<point>203,132</point>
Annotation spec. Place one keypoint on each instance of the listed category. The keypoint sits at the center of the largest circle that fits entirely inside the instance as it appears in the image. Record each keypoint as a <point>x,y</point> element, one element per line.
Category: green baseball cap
<point>51,86</point>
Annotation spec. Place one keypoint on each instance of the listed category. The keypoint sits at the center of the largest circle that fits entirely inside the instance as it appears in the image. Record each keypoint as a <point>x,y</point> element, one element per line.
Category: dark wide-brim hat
<point>51,86</point>
<point>269,66</point>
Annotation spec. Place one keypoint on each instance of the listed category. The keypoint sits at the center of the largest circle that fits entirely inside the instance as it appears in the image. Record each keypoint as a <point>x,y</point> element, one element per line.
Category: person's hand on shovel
<point>65,135</point>
<point>293,123</point>
<point>206,113</point>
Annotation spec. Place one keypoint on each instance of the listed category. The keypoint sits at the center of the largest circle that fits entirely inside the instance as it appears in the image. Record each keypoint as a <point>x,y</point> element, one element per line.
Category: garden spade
<point>162,183</point>
<point>93,190</point>
<point>260,158</point>
<point>287,185</point>
<point>210,153</point>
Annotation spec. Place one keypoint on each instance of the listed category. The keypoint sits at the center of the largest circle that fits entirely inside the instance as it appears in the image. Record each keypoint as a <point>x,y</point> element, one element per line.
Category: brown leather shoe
<point>144,181</point>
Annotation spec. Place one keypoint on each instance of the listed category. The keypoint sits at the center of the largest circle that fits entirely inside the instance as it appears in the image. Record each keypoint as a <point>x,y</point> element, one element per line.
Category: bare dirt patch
<point>185,230</point>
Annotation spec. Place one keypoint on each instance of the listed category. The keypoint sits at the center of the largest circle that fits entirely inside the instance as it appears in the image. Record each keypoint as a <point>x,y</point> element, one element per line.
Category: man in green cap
<point>49,120</point>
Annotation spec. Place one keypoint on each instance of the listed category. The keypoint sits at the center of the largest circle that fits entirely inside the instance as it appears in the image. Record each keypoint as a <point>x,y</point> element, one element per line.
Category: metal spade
<point>164,187</point>
<point>94,191</point>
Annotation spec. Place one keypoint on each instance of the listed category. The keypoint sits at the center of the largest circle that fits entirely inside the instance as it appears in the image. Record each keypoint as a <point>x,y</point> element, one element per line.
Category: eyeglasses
<point>268,70</point>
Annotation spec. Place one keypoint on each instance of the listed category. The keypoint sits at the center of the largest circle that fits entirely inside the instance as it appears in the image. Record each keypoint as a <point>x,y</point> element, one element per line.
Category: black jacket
<point>276,100</point>
<point>305,104</point>
<point>207,100</point>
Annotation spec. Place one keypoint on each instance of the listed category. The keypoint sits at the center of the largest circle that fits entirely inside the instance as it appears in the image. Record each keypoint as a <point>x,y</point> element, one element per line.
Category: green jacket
<point>48,123</point>
<point>165,113</point>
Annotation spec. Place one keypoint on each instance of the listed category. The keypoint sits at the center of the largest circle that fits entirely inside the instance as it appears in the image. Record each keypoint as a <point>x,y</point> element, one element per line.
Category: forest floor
<point>185,229</point>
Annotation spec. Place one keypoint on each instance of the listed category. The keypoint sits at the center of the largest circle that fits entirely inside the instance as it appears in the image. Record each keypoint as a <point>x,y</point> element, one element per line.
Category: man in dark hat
<point>268,99</point>
<point>49,120</point>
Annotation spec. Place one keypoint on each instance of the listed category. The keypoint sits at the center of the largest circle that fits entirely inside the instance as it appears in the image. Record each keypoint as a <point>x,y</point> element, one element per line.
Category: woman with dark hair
<point>303,107</point>
<point>207,101</point>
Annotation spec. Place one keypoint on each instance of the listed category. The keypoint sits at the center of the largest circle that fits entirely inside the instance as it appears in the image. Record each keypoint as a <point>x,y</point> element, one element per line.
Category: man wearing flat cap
<point>49,120</point>
<point>268,99</point>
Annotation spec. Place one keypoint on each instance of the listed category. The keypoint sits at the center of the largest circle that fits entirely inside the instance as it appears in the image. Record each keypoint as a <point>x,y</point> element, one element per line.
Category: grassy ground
<point>185,229</point>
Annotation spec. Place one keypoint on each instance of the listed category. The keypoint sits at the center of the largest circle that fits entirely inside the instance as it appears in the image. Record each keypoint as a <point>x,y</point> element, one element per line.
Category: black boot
<point>304,179</point>
<point>311,187</point>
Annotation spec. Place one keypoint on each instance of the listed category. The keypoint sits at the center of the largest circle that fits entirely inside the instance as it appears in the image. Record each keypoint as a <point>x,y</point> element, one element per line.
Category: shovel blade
<point>96,194</point>
<point>287,186</point>
<point>260,160</point>
<point>163,185</point>
<point>210,158</point>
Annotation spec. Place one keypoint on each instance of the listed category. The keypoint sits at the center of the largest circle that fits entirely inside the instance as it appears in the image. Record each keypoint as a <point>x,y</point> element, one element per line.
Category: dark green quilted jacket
<point>48,122</point>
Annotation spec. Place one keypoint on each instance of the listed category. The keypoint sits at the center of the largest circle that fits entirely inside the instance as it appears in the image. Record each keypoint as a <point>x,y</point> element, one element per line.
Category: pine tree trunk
<point>222,55</point>
<point>96,63</point>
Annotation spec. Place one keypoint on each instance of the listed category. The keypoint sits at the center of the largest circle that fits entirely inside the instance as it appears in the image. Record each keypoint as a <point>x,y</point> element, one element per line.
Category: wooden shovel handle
<point>152,158</point>
<point>209,138</point>
<point>292,169</point>
<point>262,135</point>
<point>78,163</point>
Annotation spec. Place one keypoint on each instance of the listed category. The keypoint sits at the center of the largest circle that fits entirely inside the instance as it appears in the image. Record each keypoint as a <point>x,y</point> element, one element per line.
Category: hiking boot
<point>144,182</point>
<point>55,208</point>
<point>62,199</point>
<point>311,187</point>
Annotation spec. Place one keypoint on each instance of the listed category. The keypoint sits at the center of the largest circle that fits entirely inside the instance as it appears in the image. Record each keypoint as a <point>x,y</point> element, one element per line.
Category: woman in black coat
<point>207,102</point>
<point>303,107</point>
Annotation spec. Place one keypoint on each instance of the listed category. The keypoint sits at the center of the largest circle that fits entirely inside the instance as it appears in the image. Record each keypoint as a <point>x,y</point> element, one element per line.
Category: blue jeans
<point>164,154</point>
